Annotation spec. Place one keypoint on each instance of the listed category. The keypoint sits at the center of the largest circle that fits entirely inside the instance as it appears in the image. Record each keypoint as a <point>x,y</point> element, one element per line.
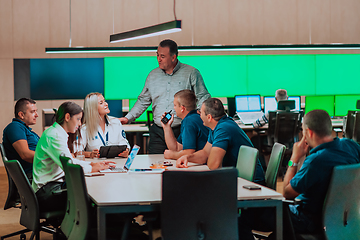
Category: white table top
<point>135,128</point>
<point>145,188</point>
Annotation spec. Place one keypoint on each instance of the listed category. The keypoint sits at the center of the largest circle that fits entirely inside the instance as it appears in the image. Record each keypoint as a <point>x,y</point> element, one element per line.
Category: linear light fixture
<point>214,48</point>
<point>155,30</point>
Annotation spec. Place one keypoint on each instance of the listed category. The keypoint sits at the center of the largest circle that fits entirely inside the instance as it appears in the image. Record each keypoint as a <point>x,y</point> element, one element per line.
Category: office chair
<point>30,214</point>
<point>246,162</point>
<point>349,125</point>
<point>341,216</point>
<point>275,160</point>
<point>199,205</point>
<point>13,199</point>
<point>79,230</point>
<point>356,131</point>
<point>69,218</point>
<point>149,121</point>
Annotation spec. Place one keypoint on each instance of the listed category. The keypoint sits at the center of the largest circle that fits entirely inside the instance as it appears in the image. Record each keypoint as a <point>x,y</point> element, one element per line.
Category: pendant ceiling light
<point>151,31</point>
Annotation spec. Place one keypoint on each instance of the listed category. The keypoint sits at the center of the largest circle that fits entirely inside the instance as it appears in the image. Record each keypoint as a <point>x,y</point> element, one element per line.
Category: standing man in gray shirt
<point>161,84</point>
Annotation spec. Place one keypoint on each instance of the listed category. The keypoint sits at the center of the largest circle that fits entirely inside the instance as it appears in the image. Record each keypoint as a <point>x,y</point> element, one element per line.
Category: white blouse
<point>47,166</point>
<point>114,135</point>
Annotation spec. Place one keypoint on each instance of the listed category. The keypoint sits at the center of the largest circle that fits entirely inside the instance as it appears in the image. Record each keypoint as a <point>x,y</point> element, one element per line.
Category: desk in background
<point>134,134</point>
<point>141,192</point>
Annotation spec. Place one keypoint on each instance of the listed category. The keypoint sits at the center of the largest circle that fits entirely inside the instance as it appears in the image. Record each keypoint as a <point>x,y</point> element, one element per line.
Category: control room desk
<point>141,192</point>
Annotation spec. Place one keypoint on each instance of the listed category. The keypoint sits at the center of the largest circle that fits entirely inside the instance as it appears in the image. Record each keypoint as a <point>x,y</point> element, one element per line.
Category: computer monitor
<point>320,102</point>
<point>286,105</point>
<point>247,103</point>
<point>344,103</point>
<point>270,103</point>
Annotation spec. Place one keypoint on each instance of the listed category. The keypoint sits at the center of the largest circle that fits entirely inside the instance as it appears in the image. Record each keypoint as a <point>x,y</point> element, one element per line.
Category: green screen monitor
<point>320,102</point>
<point>344,103</point>
<point>143,117</point>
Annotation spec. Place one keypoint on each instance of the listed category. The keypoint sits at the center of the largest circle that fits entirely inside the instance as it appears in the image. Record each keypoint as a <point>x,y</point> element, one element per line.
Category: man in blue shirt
<point>311,182</point>
<point>18,139</point>
<point>224,141</point>
<point>193,134</point>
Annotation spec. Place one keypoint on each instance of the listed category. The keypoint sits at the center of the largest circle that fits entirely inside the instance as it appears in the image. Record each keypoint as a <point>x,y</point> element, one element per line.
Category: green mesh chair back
<point>276,157</point>
<point>341,218</point>
<point>246,162</point>
<point>81,224</point>
<point>69,218</point>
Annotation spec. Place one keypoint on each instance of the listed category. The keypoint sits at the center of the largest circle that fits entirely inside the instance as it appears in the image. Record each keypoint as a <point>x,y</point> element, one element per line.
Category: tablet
<point>111,151</point>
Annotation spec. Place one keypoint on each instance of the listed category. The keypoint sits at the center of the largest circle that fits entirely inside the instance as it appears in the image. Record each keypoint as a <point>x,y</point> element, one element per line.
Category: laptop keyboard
<point>250,117</point>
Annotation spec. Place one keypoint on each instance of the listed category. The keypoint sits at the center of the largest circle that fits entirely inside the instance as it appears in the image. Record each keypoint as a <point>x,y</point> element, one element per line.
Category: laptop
<point>248,108</point>
<point>129,161</point>
<point>270,103</point>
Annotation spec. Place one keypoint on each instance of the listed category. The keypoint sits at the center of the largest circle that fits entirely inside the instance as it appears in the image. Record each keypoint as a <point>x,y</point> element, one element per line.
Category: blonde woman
<point>99,129</point>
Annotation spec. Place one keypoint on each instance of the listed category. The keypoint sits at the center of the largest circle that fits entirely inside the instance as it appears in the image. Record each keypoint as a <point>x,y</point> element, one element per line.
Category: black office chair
<point>356,131</point>
<point>13,198</point>
<point>149,121</point>
<point>284,128</point>
<point>30,214</point>
<point>349,125</point>
<point>199,205</point>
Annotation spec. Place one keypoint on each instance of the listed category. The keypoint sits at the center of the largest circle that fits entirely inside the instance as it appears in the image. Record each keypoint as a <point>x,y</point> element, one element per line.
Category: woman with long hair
<point>48,175</point>
<point>99,129</point>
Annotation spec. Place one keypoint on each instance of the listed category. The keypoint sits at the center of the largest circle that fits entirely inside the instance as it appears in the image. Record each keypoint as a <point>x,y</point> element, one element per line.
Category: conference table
<point>140,192</point>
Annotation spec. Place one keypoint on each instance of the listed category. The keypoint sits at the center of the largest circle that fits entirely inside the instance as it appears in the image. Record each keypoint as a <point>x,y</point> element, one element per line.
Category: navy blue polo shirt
<point>193,133</point>
<point>17,130</point>
<point>313,179</point>
<point>229,136</point>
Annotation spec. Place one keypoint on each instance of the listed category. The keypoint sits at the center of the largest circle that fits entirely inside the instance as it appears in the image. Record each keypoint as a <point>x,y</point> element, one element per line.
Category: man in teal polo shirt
<point>193,134</point>
<point>18,139</point>
<point>224,141</point>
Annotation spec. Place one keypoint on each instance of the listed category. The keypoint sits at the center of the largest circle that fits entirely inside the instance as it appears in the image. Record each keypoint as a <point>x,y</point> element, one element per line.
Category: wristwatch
<point>292,164</point>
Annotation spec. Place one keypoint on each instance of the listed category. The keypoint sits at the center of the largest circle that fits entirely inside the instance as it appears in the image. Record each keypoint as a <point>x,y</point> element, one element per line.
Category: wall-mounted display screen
<point>344,103</point>
<point>71,78</point>
<point>320,102</point>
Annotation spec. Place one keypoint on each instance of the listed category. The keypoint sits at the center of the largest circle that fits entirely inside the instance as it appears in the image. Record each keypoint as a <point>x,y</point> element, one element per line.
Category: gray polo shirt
<point>160,88</point>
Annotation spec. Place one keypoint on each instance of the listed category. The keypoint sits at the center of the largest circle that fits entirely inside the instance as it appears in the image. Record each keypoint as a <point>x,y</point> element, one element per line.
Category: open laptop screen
<point>131,157</point>
<point>270,103</point>
<point>248,103</point>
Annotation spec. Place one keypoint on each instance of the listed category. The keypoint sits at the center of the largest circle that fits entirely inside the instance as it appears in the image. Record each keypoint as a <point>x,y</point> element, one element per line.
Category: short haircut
<point>186,98</point>
<point>66,107</point>
<point>215,108</point>
<point>21,105</point>
<point>319,122</point>
<point>281,94</point>
<point>171,45</point>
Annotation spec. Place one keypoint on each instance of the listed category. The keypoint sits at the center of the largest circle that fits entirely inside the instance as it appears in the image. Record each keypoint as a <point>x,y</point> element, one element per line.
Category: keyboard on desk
<point>248,118</point>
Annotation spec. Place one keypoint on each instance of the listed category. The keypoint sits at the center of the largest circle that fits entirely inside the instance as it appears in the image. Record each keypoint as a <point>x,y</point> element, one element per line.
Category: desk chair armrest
<point>58,192</point>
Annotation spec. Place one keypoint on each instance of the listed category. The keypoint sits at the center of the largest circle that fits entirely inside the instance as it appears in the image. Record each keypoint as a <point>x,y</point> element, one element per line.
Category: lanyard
<point>107,138</point>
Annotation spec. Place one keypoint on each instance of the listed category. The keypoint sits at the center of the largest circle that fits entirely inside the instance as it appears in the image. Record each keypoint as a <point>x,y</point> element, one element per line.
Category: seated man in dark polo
<point>193,134</point>
<point>224,141</point>
<point>311,182</point>
<point>18,139</point>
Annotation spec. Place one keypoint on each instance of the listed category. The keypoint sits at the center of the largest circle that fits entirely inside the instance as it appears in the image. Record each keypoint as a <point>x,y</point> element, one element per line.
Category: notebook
<point>129,161</point>
<point>248,108</point>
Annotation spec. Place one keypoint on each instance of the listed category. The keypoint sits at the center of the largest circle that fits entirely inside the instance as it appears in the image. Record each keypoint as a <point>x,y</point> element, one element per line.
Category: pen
<point>143,170</point>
